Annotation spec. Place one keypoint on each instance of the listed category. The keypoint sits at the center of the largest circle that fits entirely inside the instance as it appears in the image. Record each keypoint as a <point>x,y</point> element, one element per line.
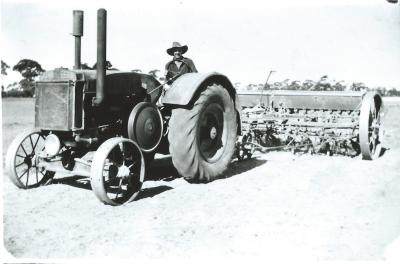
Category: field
<point>275,206</point>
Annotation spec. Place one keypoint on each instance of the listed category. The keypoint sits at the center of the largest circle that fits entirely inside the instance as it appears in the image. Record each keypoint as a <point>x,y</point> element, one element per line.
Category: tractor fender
<point>187,87</point>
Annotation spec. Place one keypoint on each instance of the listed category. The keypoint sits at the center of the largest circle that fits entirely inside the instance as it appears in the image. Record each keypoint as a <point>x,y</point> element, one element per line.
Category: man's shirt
<point>186,65</point>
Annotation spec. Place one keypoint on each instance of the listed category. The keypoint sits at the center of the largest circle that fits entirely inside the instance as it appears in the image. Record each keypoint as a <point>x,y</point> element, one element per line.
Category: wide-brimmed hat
<point>177,46</point>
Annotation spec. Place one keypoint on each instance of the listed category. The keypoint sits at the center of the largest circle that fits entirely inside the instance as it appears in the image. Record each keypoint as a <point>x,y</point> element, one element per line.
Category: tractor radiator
<point>58,106</point>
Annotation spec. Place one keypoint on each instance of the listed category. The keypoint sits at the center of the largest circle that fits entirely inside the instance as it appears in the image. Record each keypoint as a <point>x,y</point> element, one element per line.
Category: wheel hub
<point>213,132</point>
<point>149,126</point>
<point>28,161</point>
<point>123,172</point>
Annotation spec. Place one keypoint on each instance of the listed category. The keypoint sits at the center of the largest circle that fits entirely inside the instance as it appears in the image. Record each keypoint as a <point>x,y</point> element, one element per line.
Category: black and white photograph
<point>200,131</point>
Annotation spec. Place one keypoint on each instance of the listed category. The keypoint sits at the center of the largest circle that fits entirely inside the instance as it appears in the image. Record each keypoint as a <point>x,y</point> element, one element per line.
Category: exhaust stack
<point>101,55</point>
<point>77,32</point>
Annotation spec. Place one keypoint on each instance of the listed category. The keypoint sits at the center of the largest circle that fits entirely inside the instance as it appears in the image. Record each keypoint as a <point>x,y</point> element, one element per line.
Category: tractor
<point>106,125</point>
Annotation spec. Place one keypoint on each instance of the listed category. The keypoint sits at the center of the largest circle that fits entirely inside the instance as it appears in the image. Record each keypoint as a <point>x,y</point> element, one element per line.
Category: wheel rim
<point>23,168</point>
<point>371,131</point>
<point>120,175</point>
<point>211,133</point>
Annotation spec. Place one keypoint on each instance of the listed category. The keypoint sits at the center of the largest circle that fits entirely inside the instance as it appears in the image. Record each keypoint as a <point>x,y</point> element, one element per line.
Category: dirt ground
<point>275,206</point>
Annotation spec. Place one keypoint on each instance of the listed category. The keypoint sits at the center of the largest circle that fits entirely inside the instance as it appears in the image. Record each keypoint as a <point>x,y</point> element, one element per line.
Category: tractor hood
<point>116,82</point>
<point>64,75</point>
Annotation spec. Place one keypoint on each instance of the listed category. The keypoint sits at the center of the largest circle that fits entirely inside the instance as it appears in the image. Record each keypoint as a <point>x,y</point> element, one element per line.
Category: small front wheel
<point>22,161</point>
<point>117,171</point>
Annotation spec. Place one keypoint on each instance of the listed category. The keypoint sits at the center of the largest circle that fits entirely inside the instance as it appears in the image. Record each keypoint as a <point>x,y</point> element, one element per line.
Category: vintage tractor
<point>327,122</point>
<point>105,125</point>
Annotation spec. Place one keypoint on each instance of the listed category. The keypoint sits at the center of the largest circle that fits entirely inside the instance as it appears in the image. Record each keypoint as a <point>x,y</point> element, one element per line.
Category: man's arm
<point>167,65</point>
<point>190,63</point>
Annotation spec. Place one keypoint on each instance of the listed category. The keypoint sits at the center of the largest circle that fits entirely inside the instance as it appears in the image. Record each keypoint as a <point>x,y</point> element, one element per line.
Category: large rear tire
<point>202,139</point>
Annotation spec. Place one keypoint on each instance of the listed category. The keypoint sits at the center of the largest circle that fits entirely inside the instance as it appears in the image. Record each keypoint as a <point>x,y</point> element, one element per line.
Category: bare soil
<point>274,206</point>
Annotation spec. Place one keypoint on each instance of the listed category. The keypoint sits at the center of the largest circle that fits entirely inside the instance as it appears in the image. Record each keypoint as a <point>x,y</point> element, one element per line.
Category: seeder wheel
<point>370,129</point>
<point>248,146</point>
<point>243,147</point>
<point>21,161</point>
<point>117,171</point>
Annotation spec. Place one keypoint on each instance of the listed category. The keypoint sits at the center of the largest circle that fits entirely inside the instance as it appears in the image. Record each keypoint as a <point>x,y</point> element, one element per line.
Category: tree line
<point>31,69</point>
<point>322,84</point>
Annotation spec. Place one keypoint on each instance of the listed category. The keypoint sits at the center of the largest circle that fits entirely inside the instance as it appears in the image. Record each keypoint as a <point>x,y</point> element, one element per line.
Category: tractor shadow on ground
<point>238,167</point>
<point>152,191</point>
<point>383,151</point>
<point>74,181</point>
<point>84,183</point>
<point>162,169</point>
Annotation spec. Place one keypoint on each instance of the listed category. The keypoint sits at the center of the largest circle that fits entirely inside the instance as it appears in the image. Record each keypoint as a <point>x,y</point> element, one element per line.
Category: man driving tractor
<point>179,65</point>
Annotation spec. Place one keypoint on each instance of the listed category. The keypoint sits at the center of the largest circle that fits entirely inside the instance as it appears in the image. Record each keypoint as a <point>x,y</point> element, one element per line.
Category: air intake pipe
<point>101,56</point>
<point>77,32</point>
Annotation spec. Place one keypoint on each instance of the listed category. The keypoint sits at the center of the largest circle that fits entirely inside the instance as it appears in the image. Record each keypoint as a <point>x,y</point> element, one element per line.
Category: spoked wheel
<point>371,129</point>
<point>22,161</point>
<point>117,171</point>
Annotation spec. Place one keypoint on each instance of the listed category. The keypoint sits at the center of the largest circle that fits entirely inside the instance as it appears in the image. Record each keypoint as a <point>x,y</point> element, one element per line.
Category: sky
<point>353,40</point>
